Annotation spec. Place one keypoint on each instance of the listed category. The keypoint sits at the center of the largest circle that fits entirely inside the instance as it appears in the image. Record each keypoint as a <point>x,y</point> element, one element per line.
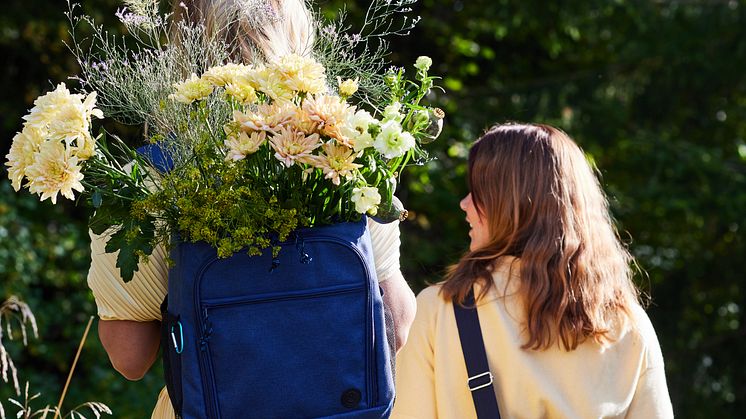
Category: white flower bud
<point>366,200</point>
<point>423,63</point>
<point>392,141</point>
<point>391,112</point>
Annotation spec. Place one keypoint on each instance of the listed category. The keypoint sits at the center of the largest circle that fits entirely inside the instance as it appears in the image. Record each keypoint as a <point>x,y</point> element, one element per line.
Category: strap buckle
<point>487,384</point>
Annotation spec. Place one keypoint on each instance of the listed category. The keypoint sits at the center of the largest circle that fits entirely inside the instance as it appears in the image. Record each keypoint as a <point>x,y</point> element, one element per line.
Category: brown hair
<point>287,26</point>
<point>544,205</point>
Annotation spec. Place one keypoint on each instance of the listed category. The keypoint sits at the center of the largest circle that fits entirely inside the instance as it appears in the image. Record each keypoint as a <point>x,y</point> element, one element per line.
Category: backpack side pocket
<point>172,343</point>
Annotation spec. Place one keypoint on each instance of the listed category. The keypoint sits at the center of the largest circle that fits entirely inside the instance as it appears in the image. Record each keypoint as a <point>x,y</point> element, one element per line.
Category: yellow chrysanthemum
<point>348,87</point>
<point>270,82</point>
<point>226,74</point>
<point>241,91</point>
<point>194,88</point>
<point>55,171</point>
<point>302,74</point>
<point>292,146</point>
<point>241,144</point>
<point>330,112</point>
<point>255,76</point>
<point>25,144</point>
<point>336,161</point>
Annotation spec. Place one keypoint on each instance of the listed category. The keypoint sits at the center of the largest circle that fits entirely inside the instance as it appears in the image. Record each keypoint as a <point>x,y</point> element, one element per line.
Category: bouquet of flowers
<point>238,155</point>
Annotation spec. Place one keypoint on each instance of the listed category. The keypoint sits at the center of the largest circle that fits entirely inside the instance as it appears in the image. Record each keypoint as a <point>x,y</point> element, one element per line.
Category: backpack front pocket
<point>281,355</point>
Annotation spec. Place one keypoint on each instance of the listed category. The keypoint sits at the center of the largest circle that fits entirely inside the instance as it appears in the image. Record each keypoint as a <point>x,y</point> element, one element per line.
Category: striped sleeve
<point>386,242</point>
<point>138,299</point>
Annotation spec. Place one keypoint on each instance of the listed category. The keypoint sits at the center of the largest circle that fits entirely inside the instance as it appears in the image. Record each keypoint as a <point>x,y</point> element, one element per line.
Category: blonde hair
<point>543,204</point>
<point>256,31</point>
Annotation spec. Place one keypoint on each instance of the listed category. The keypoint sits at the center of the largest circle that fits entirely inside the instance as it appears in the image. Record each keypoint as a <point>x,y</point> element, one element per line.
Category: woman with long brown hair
<point>256,32</point>
<point>562,328</point>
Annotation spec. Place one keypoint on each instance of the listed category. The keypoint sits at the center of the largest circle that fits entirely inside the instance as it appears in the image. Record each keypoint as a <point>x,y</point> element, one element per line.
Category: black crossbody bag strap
<point>472,344</point>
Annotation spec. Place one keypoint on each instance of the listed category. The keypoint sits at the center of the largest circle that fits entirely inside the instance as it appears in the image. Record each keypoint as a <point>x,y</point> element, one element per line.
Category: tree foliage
<point>653,90</point>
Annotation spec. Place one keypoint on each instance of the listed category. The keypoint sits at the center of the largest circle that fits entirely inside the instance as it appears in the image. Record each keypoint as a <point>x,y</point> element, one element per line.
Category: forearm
<point>402,303</point>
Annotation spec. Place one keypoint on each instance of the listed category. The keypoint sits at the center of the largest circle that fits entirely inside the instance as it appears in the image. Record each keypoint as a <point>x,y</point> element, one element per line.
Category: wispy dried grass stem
<point>72,368</point>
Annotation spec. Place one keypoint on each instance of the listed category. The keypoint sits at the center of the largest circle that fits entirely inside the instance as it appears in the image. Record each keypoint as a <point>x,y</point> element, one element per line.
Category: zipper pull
<point>206,330</point>
<point>300,245</point>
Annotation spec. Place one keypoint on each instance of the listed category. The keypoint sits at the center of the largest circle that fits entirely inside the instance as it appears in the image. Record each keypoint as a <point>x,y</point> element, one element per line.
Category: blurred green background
<point>653,90</point>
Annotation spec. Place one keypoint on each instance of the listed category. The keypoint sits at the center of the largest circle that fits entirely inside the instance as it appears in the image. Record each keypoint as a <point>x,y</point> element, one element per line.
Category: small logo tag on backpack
<point>351,398</point>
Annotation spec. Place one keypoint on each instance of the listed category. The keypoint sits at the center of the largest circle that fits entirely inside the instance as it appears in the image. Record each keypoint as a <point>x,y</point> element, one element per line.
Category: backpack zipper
<point>205,371</point>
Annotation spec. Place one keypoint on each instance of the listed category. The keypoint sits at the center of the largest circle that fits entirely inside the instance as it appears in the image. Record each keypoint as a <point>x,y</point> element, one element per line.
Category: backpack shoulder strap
<point>475,356</point>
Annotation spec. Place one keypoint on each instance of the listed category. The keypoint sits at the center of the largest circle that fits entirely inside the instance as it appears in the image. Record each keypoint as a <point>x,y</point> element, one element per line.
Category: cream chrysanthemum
<point>46,107</point>
<point>303,122</point>
<point>25,144</point>
<point>330,112</point>
<point>55,171</point>
<point>293,146</point>
<point>241,144</point>
<point>226,74</point>
<point>60,115</point>
<point>266,117</point>
<point>279,113</point>
<point>366,200</point>
<point>73,125</point>
<point>194,88</point>
<point>336,161</point>
<point>302,74</point>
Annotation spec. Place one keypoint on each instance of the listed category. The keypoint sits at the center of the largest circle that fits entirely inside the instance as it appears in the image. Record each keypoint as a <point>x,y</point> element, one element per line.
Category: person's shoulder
<point>431,295</point>
<point>641,322</point>
<point>506,279</point>
<point>643,328</point>
<point>430,302</point>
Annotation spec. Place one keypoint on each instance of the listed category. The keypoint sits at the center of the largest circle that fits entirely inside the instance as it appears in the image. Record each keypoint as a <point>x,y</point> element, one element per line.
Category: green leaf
<point>112,212</point>
<point>131,240</point>
<point>135,171</point>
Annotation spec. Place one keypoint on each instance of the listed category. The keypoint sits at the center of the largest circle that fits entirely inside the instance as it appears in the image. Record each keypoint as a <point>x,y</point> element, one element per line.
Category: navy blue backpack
<point>301,335</point>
